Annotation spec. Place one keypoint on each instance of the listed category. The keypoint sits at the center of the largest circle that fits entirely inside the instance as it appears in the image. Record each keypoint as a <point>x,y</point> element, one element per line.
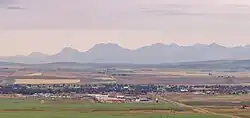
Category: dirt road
<point>196,109</point>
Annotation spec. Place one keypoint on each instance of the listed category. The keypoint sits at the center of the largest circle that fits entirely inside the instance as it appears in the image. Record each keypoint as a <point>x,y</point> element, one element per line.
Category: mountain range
<point>152,54</point>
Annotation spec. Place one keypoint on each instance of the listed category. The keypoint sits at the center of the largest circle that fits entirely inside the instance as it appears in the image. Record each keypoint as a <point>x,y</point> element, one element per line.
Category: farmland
<point>218,104</point>
<point>23,108</point>
<point>46,81</point>
<point>68,93</point>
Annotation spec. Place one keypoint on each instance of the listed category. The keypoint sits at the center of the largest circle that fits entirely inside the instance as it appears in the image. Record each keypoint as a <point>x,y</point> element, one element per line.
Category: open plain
<point>217,104</point>
<point>57,81</point>
<point>23,108</point>
<point>123,77</point>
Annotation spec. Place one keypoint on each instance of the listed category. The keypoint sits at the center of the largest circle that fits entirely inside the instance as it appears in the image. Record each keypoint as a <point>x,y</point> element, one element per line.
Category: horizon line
<point>109,43</point>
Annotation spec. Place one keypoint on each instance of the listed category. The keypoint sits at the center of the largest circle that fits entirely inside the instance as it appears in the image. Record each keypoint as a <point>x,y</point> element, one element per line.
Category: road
<point>196,109</point>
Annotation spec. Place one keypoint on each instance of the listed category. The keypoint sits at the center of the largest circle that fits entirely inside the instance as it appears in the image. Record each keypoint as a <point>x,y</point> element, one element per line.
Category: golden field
<point>46,81</point>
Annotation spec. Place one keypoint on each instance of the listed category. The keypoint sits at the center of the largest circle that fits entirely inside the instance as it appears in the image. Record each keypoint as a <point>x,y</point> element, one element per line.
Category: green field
<point>17,108</point>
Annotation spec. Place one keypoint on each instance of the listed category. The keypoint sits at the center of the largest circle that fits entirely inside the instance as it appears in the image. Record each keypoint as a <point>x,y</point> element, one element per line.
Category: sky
<point>47,26</point>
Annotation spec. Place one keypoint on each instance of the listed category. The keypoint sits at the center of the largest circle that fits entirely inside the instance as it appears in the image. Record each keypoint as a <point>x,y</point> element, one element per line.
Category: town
<point>118,92</point>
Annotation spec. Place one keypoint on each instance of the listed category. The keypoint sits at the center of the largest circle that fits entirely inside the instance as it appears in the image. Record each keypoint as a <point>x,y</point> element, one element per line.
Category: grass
<point>221,104</point>
<point>96,115</point>
<point>16,108</point>
<point>76,104</point>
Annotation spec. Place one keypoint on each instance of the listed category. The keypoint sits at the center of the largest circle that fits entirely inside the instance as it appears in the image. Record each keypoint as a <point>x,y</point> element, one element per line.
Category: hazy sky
<point>49,25</point>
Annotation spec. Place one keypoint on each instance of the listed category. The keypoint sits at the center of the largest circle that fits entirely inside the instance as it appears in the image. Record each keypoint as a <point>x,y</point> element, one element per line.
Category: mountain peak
<point>105,46</point>
<point>199,45</point>
<point>37,54</point>
<point>155,53</point>
<point>216,45</point>
<point>153,46</point>
<point>174,45</point>
<point>69,50</point>
<point>158,44</point>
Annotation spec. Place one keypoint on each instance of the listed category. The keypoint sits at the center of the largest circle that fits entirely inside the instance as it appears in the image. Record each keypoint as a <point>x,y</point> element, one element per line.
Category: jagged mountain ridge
<point>152,54</point>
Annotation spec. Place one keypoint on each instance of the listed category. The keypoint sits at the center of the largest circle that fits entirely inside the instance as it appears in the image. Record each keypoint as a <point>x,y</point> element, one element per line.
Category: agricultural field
<point>218,104</point>
<point>46,81</point>
<point>33,108</point>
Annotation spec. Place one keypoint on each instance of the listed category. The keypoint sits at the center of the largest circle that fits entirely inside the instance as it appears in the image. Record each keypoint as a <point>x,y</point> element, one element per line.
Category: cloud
<point>3,1</point>
<point>11,5</point>
<point>173,12</point>
<point>7,2</point>
<point>204,10</point>
<point>124,14</point>
<point>15,8</point>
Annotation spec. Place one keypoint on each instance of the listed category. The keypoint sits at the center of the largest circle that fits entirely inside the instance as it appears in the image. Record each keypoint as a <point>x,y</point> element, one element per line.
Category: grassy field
<point>17,108</point>
<point>221,104</point>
